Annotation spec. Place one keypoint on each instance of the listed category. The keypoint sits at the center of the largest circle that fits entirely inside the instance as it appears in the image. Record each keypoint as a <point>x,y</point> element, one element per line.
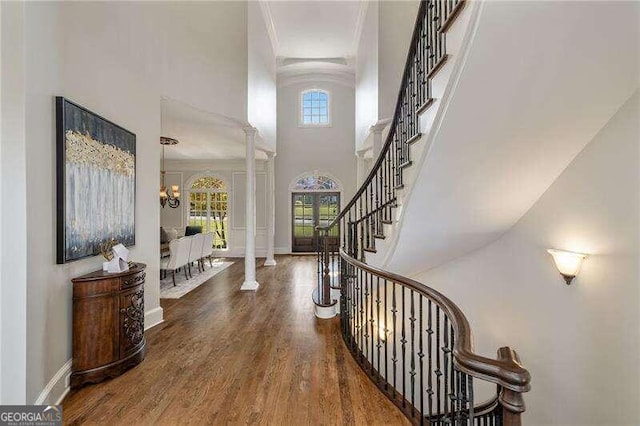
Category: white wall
<point>305,149</point>
<point>118,60</point>
<point>381,55</point>
<point>580,342</point>
<point>396,22</point>
<point>367,75</point>
<point>13,238</point>
<point>261,102</point>
<point>233,173</point>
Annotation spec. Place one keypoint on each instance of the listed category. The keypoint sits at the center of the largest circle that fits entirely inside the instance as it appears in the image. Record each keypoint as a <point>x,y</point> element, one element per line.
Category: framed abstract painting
<point>95,183</point>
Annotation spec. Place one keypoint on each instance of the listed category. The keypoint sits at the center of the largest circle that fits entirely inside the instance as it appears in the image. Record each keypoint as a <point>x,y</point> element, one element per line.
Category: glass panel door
<point>309,210</point>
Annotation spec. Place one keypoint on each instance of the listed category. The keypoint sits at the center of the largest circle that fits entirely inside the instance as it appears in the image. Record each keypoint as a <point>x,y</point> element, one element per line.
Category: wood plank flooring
<point>223,356</point>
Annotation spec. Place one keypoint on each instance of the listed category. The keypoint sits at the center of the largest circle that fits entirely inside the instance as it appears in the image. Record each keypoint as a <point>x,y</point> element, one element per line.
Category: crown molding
<point>347,80</point>
<point>362,13</point>
<point>267,16</point>
<point>314,72</point>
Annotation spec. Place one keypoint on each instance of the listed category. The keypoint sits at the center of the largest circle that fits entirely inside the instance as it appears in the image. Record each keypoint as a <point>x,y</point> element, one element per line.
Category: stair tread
<point>399,186</point>
<point>370,249</point>
<point>379,236</point>
<point>425,106</point>
<point>387,221</point>
<point>415,137</point>
<point>406,164</point>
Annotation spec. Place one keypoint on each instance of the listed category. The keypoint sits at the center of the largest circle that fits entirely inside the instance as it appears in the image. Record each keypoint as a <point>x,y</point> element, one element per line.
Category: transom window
<point>315,183</point>
<point>315,108</point>
<point>208,207</point>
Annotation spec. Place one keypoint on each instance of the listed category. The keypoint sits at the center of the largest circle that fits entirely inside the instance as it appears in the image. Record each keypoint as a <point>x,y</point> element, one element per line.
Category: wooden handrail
<point>505,371</point>
<point>428,368</point>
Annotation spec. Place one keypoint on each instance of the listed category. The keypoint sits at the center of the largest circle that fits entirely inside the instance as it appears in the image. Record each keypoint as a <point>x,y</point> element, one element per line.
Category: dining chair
<point>178,257</point>
<point>207,248</point>
<point>196,250</point>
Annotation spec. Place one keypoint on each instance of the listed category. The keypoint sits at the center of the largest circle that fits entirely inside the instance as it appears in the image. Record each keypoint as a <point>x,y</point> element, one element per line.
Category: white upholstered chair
<point>178,257</point>
<point>196,250</point>
<point>207,248</point>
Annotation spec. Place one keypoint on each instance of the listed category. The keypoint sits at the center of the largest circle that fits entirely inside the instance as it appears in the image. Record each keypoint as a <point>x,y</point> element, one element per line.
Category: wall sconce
<point>382,333</point>
<point>567,262</point>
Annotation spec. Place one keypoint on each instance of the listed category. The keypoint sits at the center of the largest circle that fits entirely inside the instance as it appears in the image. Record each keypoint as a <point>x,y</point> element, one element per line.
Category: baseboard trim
<point>57,388</point>
<point>153,317</point>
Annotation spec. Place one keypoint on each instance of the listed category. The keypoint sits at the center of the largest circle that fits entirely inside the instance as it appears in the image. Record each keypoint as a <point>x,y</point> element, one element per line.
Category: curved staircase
<point>412,341</point>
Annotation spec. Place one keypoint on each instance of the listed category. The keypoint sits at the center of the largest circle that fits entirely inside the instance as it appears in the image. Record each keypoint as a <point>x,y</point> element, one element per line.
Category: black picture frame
<point>99,175</point>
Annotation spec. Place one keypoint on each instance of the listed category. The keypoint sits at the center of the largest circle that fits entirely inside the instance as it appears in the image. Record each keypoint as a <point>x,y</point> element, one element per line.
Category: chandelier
<point>172,198</point>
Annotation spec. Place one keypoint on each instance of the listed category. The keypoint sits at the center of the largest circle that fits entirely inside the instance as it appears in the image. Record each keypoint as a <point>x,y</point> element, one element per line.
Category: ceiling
<point>314,29</point>
<point>202,135</point>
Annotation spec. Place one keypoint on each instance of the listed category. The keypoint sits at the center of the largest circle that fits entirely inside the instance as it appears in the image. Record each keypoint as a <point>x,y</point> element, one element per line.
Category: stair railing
<point>412,341</point>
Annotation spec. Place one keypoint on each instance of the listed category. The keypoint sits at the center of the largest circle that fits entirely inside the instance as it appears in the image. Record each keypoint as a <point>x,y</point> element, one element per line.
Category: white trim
<point>344,78</point>
<point>362,13</point>
<point>282,250</point>
<point>267,16</point>
<point>301,122</point>
<point>249,286</point>
<point>153,317</point>
<point>61,377</point>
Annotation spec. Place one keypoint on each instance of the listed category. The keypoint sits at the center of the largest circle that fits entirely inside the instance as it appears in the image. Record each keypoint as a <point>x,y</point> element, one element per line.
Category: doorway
<point>308,210</point>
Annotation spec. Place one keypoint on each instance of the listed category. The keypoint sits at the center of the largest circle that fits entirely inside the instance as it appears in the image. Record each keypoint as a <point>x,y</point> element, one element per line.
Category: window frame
<point>301,122</point>
<point>208,191</point>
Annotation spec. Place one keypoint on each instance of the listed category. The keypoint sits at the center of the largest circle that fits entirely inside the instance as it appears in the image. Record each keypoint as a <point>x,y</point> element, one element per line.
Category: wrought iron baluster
<point>445,359</point>
<point>365,324</point>
<point>420,361</point>
<point>412,367</point>
<point>385,334</point>
<point>394,358</point>
<point>378,324</point>
<point>470,399</point>
<point>429,359</point>
<point>438,372</point>
<point>403,342</point>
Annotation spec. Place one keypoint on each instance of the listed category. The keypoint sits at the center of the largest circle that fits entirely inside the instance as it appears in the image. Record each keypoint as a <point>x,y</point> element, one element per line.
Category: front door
<point>308,210</point>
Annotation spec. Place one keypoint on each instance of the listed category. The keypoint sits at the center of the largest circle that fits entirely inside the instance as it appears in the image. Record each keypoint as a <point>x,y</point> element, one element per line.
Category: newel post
<point>326,278</point>
<point>511,401</point>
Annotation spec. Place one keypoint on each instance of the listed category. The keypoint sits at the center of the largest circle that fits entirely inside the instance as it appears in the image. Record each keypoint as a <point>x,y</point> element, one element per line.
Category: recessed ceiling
<point>202,135</point>
<point>314,29</point>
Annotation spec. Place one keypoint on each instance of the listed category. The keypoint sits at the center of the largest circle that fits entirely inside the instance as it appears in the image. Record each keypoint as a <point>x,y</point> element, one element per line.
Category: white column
<point>360,168</point>
<point>271,216</point>
<point>250,282</point>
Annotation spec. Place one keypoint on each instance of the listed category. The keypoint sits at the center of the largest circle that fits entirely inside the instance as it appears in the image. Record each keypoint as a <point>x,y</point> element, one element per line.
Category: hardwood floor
<point>223,356</point>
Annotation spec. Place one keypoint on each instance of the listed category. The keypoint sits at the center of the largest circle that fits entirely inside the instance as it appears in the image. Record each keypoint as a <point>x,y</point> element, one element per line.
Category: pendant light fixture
<point>172,198</point>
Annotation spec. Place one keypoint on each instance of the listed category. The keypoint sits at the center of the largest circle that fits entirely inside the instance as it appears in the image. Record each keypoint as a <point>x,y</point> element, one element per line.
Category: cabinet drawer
<point>132,280</point>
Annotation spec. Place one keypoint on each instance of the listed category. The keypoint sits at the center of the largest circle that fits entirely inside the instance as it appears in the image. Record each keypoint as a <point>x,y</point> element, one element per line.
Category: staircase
<point>411,340</point>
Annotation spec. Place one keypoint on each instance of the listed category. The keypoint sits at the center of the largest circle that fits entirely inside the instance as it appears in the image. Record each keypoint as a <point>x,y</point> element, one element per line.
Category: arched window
<point>314,108</point>
<point>209,207</point>
<point>315,182</point>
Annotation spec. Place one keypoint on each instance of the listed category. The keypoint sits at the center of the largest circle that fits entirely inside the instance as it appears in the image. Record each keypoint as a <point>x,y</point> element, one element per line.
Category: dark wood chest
<point>108,324</point>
